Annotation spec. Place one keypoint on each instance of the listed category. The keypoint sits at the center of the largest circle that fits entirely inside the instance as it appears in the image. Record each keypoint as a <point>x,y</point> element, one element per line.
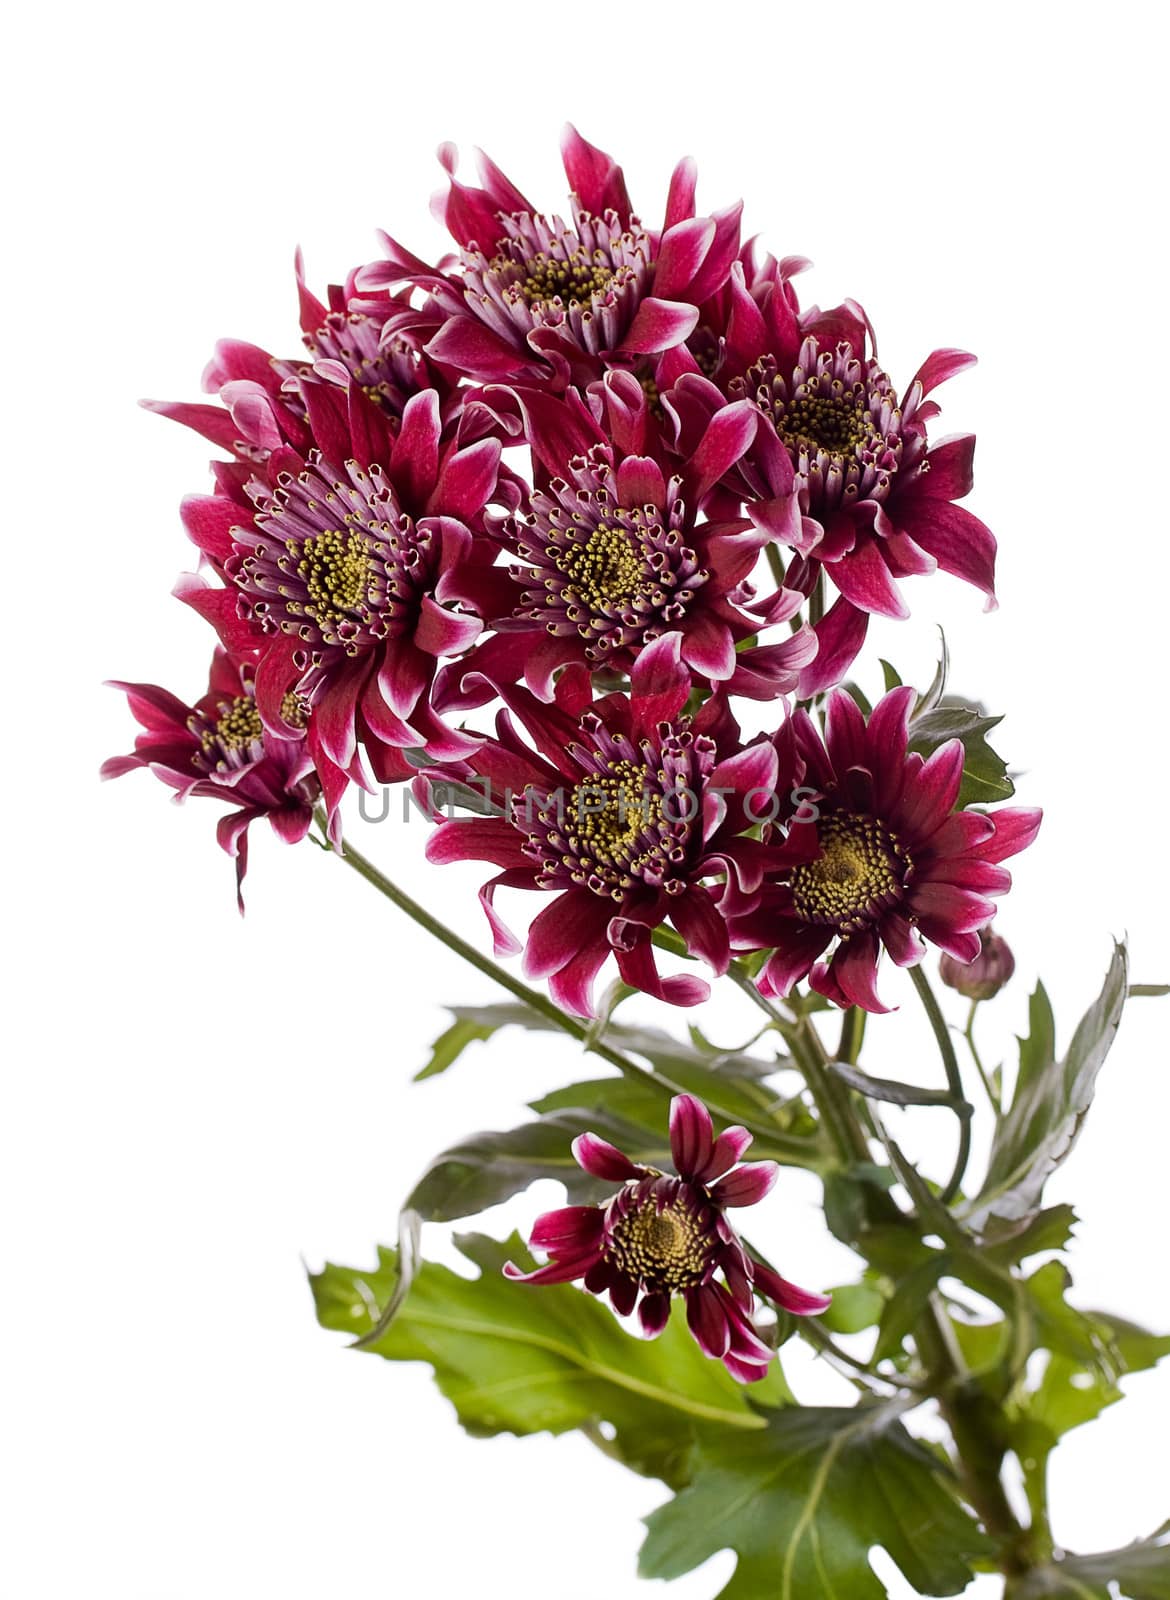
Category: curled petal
<point>796,1301</point>
<point>603,1160</point>
<point>573,1230</point>
<point>746,1185</point>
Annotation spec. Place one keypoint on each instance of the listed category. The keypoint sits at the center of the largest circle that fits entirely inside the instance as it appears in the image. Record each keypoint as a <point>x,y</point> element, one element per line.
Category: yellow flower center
<point>835,423</point>
<point>861,868</point>
<point>335,569</point>
<point>665,1249</point>
<point>606,570</point>
<point>573,281</point>
<point>238,726</point>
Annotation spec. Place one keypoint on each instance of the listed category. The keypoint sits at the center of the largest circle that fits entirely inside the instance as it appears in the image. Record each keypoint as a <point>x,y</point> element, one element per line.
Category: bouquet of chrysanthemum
<point>534,533</point>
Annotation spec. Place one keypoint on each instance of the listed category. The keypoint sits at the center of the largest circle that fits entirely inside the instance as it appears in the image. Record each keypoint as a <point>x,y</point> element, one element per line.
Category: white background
<point>196,1104</point>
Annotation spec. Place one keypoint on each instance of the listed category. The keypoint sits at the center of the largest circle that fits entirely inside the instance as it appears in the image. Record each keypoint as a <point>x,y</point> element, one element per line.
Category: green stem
<point>852,1034</point>
<point>984,1077</point>
<point>950,1063</point>
<point>808,1051</point>
<point>532,998</point>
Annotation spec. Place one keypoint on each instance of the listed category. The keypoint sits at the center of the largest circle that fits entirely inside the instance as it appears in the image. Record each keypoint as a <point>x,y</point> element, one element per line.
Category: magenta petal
<point>746,1185</point>
<point>660,683</point>
<point>654,1314</point>
<point>850,977</point>
<point>952,469</point>
<point>444,633</point>
<point>565,1271</point>
<point>623,1294</point>
<point>695,916</point>
<point>959,542</point>
<point>681,254</point>
<point>601,1159</point>
<point>797,1302</point>
<point>939,366</point>
<point>708,1321</point>
<point>691,1135</point>
<point>657,326</point>
<point>571,1230</point>
<point>864,579</point>
<point>840,636</point>
<point>558,932</point>
<point>726,1151</point>
<point>1015,828</point>
<point>466,343</point>
<point>709,648</point>
<point>797,947</point>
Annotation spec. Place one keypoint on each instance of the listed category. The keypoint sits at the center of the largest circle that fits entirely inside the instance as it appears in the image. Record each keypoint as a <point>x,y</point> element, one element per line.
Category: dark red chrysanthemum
<point>340,575</point>
<point>840,470</point>
<point>877,856</point>
<point>535,296</point>
<point>662,1236</point>
<point>629,815</point>
<point>218,748</point>
<point>614,551</point>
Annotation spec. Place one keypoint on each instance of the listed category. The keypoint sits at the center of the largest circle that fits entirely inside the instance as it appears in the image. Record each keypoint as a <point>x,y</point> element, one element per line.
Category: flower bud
<point>983,978</point>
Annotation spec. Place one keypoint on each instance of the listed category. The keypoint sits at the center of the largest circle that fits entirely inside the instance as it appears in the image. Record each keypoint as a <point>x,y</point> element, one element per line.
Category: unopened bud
<point>983,978</point>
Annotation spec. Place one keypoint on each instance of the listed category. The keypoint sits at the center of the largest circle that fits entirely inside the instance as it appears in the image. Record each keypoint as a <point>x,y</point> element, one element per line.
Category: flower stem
<point>984,1078</point>
<point>532,998</point>
<point>950,1063</point>
<point>809,1052</point>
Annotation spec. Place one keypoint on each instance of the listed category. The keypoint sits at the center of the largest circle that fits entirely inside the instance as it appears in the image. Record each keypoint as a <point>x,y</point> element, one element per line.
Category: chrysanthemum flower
<point>613,552</point>
<point>533,295</point>
<point>661,1236</point>
<point>630,814</point>
<point>340,575</point>
<point>218,749</point>
<point>877,856</point>
<point>840,470</point>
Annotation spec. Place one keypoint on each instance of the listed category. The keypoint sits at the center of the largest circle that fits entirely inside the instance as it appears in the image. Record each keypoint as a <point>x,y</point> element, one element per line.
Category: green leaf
<point>889,675</point>
<point>1049,1105</point>
<point>1007,1243</point>
<point>907,1304</point>
<point>891,1090</point>
<point>488,1168</point>
<point>855,1306</point>
<point>519,1358</point>
<point>450,1045</point>
<point>1141,1570</point>
<point>729,1084</point>
<point>985,775</point>
<point>938,684</point>
<point>803,1502</point>
<point>1073,1392</point>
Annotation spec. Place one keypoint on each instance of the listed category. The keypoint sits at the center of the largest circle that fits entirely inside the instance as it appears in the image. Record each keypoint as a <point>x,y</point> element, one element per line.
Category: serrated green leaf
<point>985,774</point>
<point>1073,1392</point>
<point>1048,1107</point>
<point>802,1503</point>
<point>1141,1571</point>
<point>1007,1243</point>
<point>517,1358</point>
